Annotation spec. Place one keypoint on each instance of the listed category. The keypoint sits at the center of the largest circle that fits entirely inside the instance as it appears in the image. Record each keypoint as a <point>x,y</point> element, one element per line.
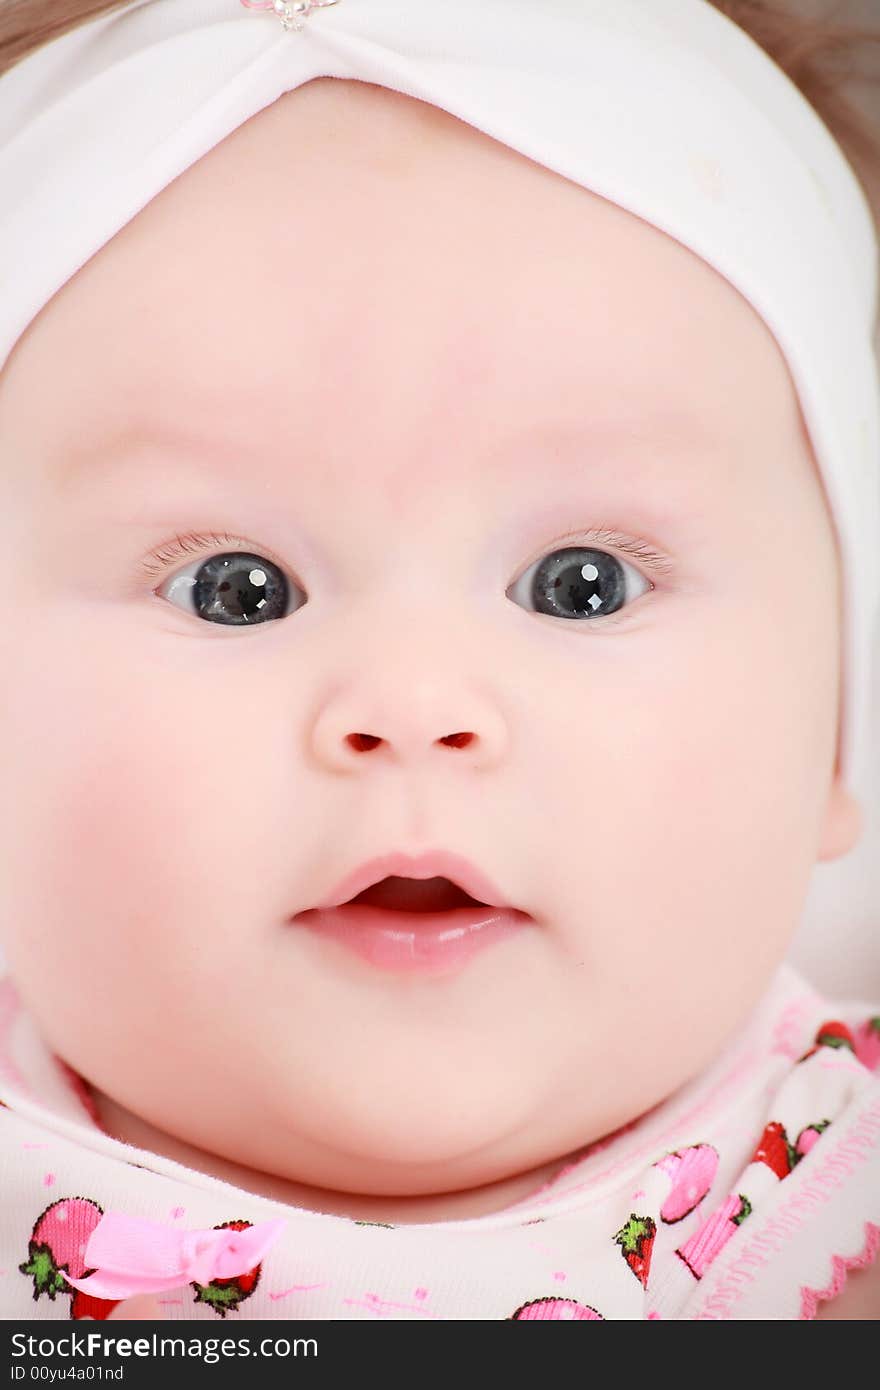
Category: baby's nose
<point>414,725</point>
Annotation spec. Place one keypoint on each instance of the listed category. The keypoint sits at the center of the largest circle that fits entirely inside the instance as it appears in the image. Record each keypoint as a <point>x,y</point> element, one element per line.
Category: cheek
<point>686,800</point>
<point>682,810</point>
<point>125,808</point>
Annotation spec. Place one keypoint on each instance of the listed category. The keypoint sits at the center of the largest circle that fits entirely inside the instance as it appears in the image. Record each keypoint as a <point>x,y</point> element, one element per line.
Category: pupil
<point>238,589</point>
<point>577,583</point>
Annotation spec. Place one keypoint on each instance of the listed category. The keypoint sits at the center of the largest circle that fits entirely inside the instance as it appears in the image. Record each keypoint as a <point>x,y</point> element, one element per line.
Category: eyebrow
<point>119,450</point>
<point>122,448</point>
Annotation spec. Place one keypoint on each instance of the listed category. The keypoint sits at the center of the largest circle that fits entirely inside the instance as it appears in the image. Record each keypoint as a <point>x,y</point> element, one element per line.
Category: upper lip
<point>432,864</point>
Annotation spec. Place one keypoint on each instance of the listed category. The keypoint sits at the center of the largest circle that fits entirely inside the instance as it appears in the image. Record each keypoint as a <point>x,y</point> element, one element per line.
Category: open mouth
<point>405,925</point>
<point>396,894</point>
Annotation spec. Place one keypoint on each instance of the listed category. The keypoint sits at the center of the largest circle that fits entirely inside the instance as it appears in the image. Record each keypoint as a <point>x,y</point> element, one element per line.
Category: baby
<point>397,524</point>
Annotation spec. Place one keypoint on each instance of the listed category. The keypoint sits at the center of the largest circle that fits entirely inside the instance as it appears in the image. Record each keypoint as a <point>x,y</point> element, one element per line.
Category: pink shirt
<point>747,1194</point>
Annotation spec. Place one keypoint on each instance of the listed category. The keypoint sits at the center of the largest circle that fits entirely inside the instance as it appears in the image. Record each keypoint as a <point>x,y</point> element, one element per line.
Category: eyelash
<point>158,561</point>
<point>193,543</point>
<point>637,550</point>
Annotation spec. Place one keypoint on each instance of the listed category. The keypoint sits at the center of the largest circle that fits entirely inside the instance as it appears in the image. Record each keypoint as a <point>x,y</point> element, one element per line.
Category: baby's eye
<point>574,582</point>
<point>235,588</point>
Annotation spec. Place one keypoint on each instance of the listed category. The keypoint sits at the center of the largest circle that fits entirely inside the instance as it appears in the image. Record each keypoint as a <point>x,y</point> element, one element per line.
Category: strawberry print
<point>57,1241</point>
<point>808,1137</point>
<point>708,1242</point>
<point>775,1150</point>
<point>557,1309</point>
<point>636,1241</point>
<point>692,1171</point>
<point>831,1034</point>
<point>224,1295</point>
<point>867,1043</point>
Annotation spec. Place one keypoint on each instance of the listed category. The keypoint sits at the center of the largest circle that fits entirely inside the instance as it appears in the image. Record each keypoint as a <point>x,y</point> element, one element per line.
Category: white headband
<point>633,99</point>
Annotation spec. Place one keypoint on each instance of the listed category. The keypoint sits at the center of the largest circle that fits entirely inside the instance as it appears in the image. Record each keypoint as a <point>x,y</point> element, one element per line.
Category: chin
<point>405,1154</point>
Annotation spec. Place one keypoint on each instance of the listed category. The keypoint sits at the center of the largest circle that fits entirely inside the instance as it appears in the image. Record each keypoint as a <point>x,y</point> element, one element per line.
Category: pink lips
<point>433,864</point>
<point>407,942</point>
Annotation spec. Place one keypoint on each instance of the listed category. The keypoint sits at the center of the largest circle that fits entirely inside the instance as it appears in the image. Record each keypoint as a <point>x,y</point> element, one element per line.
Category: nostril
<point>362,743</point>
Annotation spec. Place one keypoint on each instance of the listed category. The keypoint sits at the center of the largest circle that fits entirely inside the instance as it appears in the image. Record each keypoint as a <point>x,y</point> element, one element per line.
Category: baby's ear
<point>844,822</point>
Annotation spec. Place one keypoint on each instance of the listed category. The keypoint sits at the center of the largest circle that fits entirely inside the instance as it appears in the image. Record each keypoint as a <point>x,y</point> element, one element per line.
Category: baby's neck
<point>444,1206</point>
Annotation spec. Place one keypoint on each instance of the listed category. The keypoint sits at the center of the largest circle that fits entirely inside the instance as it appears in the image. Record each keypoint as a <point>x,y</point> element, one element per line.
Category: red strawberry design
<point>57,1241</point>
<point>831,1034</point>
<point>775,1150</point>
<point>86,1305</point>
<point>224,1295</point>
<point>636,1241</point>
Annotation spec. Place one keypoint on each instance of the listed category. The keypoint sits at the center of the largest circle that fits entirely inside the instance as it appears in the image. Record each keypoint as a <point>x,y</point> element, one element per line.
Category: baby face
<point>446,398</point>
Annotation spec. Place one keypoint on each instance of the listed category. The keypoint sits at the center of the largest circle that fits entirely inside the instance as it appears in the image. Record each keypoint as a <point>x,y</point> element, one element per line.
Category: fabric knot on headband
<point>129,1255</point>
<point>292,13</point>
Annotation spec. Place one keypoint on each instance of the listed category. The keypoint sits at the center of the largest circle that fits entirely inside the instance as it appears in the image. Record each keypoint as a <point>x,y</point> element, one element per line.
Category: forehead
<point>361,261</point>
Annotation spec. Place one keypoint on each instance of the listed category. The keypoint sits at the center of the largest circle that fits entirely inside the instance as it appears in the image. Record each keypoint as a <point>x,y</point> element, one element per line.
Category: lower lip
<point>415,942</point>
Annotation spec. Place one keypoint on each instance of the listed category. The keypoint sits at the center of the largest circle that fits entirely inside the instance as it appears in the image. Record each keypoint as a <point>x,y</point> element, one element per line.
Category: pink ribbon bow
<point>130,1255</point>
